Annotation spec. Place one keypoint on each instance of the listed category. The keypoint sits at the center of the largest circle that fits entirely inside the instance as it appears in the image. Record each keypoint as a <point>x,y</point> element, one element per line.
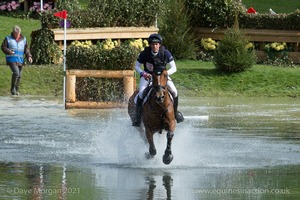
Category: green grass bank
<point>193,78</point>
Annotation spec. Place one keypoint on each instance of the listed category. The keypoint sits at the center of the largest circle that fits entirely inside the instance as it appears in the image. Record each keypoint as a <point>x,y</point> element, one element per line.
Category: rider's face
<point>155,47</point>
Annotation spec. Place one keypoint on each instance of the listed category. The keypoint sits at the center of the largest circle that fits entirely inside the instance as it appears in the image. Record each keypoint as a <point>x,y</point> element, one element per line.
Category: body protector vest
<point>18,48</point>
<point>157,62</point>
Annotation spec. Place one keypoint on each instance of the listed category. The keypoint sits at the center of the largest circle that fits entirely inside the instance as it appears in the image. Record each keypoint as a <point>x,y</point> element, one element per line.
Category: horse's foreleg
<point>168,157</point>
<point>152,149</point>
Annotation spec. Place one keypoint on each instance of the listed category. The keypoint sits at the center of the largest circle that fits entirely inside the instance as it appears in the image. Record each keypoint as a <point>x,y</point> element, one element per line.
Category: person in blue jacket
<point>15,47</point>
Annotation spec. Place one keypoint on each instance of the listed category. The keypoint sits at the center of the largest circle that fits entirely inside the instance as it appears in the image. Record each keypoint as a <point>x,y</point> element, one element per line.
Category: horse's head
<point>160,78</point>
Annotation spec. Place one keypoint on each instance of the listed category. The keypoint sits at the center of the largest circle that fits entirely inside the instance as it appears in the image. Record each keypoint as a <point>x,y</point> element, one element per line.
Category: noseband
<point>159,88</point>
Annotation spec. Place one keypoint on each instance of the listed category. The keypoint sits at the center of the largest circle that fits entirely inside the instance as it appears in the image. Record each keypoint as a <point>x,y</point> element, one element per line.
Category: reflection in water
<point>46,181</point>
<point>34,181</point>
<point>167,183</point>
<point>245,149</point>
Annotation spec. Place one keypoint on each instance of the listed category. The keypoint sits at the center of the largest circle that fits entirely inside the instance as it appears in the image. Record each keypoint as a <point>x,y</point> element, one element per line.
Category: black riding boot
<point>13,89</point>
<point>178,115</point>
<point>138,112</point>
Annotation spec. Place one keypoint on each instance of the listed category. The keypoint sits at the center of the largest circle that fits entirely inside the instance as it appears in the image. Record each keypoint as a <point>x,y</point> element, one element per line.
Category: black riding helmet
<point>154,38</point>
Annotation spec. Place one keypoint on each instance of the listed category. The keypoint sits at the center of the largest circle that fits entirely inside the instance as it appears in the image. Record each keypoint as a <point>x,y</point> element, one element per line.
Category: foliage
<point>105,55</point>
<point>206,49</point>
<point>70,5</point>
<point>232,54</point>
<point>175,29</point>
<point>221,13</point>
<point>124,13</point>
<point>273,22</point>
<point>213,13</point>
<point>277,53</point>
<point>35,11</point>
<point>43,47</point>
<point>37,6</point>
<point>99,89</point>
<point>208,44</point>
<point>48,20</point>
<point>107,13</point>
<point>9,6</point>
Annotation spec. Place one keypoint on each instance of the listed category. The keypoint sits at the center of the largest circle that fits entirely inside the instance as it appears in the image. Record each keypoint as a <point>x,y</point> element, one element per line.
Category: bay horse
<point>158,113</point>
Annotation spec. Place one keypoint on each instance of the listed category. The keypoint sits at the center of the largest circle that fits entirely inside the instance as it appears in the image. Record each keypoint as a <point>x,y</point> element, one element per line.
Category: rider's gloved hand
<point>146,75</point>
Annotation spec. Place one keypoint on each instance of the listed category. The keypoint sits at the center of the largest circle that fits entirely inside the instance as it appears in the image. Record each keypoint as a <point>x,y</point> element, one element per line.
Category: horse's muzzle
<point>160,94</point>
<point>160,99</point>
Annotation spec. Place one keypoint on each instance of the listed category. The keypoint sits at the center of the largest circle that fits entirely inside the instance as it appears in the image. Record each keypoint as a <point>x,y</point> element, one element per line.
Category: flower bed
<point>261,37</point>
<point>103,33</point>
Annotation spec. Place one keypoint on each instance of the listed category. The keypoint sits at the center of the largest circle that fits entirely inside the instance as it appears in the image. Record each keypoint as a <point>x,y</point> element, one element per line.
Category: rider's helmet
<point>154,38</point>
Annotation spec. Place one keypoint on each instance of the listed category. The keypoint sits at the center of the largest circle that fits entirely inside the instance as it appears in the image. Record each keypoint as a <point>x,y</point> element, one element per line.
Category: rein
<point>157,88</point>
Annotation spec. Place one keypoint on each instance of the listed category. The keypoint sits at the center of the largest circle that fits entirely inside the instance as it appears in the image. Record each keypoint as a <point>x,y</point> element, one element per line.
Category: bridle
<point>159,89</point>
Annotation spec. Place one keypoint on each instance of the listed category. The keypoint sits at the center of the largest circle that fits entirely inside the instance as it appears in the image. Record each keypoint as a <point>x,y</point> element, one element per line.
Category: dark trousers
<point>16,70</point>
<point>15,78</point>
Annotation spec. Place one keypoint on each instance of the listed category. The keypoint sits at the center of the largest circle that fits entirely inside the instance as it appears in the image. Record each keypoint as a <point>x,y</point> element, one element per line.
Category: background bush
<point>43,47</point>
<point>273,22</point>
<point>174,26</point>
<point>108,13</point>
<point>96,58</point>
<point>231,54</point>
<point>214,13</point>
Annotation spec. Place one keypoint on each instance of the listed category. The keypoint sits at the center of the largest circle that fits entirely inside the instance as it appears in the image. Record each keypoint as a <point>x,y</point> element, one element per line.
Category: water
<point>226,149</point>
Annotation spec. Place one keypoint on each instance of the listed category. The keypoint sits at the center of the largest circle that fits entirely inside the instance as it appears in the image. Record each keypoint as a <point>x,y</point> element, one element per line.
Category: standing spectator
<point>15,46</point>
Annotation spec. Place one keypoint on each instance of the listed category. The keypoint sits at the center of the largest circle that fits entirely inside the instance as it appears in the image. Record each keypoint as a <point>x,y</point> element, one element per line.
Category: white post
<point>65,49</point>
<point>42,6</point>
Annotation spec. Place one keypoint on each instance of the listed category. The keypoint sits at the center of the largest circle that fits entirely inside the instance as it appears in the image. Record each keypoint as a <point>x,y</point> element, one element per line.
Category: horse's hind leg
<point>168,157</point>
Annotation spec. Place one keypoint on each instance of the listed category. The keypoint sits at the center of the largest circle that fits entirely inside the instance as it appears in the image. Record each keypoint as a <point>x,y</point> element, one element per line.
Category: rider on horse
<point>153,57</point>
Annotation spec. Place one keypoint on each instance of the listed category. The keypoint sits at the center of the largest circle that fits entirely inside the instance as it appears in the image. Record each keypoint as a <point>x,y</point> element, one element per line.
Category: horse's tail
<point>132,107</point>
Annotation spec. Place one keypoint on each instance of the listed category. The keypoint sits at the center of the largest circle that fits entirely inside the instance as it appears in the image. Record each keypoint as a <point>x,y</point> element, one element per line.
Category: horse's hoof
<point>167,159</point>
<point>148,155</point>
<point>152,151</point>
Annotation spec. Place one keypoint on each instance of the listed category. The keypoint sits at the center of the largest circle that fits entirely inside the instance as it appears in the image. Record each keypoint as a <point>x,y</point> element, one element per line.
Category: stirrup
<point>179,117</point>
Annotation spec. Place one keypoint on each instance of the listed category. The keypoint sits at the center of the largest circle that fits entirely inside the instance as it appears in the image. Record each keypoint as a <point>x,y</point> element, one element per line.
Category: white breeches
<point>144,84</point>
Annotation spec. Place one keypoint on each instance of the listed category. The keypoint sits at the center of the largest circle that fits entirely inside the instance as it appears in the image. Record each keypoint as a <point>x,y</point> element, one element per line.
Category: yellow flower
<point>208,44</point>
<point>274,45</point>
<point>281,47</point>
<point>145,43</point>
<point>105,46</point>
<point>139,44</point>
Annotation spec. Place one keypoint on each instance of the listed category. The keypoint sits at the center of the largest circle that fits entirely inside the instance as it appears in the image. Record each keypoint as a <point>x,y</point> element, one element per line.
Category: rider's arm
<point>137,67</point>
<point>173,68</point>
<point>140,71</point>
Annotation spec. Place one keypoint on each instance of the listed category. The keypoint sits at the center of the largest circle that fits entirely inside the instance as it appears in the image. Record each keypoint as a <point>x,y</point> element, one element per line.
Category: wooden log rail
<point>103,33</point>
<point>260,36</point>
<point>126,75</point>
